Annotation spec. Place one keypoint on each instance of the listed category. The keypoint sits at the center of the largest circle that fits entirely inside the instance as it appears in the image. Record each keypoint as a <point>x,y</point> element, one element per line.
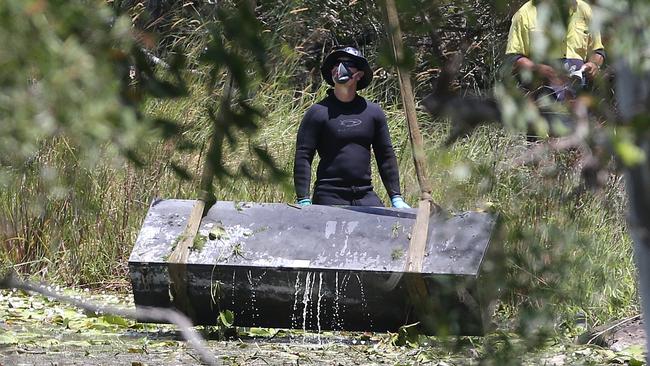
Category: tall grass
<point>565,247</point>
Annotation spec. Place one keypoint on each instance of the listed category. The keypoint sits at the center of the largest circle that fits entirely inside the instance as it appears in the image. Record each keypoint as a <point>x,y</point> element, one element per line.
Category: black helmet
<point>351,53</point>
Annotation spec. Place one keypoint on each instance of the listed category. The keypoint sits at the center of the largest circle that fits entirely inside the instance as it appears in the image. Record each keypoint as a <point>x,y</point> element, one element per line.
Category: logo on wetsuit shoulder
<point>347,123</point>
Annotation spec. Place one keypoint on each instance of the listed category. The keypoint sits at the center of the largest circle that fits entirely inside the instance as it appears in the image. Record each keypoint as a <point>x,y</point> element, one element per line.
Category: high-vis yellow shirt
<point>580,41</point>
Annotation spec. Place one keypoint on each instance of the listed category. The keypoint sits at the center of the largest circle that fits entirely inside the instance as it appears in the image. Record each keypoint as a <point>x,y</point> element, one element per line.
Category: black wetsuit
<point>342,134</point>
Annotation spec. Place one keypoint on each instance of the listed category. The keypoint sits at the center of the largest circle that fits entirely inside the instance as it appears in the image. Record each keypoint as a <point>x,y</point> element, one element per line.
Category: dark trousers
<point>346,197</point>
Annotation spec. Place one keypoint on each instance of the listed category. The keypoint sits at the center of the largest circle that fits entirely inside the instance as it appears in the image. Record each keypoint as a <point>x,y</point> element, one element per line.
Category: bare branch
<point>151,314</point>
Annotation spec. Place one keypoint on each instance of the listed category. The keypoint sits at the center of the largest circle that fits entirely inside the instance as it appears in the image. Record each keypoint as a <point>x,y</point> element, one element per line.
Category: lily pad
<point>7,338</point>
<point>117,320</point>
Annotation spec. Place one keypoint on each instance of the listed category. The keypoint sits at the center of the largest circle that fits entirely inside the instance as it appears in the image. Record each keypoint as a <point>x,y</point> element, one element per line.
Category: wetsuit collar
<point>332,96</point>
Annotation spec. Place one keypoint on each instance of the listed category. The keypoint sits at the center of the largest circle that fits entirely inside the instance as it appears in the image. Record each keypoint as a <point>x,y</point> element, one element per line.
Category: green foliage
<point>75,126</point>
<point>226,318</point>
<point>408,335</point>
<point>66,73</point>
<point>199,242</point>
<point>397,253</point>
<point>57,78</point>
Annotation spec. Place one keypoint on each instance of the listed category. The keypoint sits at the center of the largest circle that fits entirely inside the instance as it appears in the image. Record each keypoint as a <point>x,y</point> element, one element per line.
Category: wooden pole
<point>178,258</point>
<point>417,245</point>
<point>424,305</point>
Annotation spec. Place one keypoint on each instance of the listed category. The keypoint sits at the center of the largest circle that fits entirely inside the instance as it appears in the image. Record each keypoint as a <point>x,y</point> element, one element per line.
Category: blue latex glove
<point>304,202</point>
<point>398,202</point>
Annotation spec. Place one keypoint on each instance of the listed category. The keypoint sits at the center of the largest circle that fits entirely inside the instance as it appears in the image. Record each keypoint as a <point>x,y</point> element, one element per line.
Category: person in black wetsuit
<point>342,128</point>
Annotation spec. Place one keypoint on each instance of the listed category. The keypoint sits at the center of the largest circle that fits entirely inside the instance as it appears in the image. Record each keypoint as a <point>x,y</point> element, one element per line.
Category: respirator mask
<point>343,73</point>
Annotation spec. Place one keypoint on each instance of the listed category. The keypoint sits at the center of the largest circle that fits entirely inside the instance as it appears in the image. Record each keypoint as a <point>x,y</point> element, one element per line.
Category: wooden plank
<point>186,240</point>
<point>178,261</point>
<point>417,245</point>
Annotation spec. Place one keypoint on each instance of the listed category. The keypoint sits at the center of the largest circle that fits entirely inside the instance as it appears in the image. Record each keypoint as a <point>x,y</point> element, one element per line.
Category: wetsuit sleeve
<point>305,150</point>
<point>385,156</point>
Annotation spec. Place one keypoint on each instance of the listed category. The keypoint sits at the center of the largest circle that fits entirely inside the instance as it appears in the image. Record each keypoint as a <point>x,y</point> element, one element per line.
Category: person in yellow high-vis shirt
<point>582,48</point>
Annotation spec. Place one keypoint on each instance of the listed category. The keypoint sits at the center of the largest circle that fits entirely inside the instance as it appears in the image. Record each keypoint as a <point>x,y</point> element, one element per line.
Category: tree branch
<point>150,314</point>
